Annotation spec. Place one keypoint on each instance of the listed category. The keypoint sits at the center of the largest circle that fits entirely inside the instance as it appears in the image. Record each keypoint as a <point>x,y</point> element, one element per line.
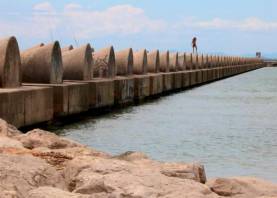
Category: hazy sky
<point>228,26</point>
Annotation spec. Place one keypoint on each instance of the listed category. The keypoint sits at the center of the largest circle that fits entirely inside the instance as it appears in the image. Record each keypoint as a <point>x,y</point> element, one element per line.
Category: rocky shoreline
<point>39,164</point>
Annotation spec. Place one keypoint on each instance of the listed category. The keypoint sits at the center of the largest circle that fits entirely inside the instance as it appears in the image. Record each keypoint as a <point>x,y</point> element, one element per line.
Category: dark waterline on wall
<point>229,126</point>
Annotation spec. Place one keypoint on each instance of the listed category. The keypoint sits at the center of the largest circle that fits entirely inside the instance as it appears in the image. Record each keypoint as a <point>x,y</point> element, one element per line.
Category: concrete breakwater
<point>45,82</point>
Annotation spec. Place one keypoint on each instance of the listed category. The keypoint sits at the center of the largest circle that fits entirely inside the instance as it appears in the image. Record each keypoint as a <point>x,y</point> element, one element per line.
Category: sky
<point>233,27</point>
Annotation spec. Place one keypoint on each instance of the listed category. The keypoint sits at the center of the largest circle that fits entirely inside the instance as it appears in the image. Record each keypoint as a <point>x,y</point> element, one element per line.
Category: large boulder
<point>139,177</point>
<point>40,138</point>
<point>21,173</point>
<point>242,187</point>
<point>6,142</point>
<point>181,170</point>
<point>7,129</point>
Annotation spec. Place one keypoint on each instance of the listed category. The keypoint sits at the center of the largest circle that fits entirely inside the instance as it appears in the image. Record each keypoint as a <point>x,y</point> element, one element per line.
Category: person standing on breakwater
<point>194,45</point>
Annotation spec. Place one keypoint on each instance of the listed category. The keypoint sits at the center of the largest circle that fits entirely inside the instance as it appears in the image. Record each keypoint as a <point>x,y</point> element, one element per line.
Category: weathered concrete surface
<point>26,106</point>
<point>141,80</point>
<point>69,97</point>
<point>124,62</point>
<point>101,92</point>
<point>186,79</point>
<point>156,84</point>
<point>140,62</point>
<point>199,77</point>
<point>193,77</point>
<point>181,62</point>
<point>153,61</point>
<point>204,75</point>
<point>142,87</point>
<point>77,63</point>
<point>173,61</point>
<point>189,64</point>
<point>200,61</point>
<point>40,164</point>
<point>174,66</point>
<point>194,61</point>
<point>104,63</point>
<point>10,71</point>
<point>124,90</point>
<point>42,64</point>
<point>177,80</point>
<point>164,68</point>
<point>167,81</point>
<point>164,61</point>
<point>124,83</point>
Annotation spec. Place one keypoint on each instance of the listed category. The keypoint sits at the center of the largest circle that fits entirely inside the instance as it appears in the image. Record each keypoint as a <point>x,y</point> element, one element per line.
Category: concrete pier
<point>100,79</point>
<point>124,82</point>
<point>101,83</point>
<point>173,68</point>
<point>164,69</point>
<point>20,105</point>
<point>45,61</point>
<point>156,78</point>
<point>142,80</point>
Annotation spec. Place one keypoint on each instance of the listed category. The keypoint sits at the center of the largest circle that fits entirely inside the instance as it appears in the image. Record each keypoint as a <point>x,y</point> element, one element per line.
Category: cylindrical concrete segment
<point>124,62</point>
<point>194,61</point>
<point>200,61</point>
<point>42,64</point>
<point>164,61</point>
<point>181,61</point>
<point>10,71</point>
<point>140,62</point>
<point>153,58</point>
<point>188,61</point>
<point>104,63</point>
<point>173,61</point>
<point>77,63</point>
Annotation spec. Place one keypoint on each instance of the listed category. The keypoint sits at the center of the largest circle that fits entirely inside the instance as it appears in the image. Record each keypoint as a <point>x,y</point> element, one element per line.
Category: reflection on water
<point>229,126</point>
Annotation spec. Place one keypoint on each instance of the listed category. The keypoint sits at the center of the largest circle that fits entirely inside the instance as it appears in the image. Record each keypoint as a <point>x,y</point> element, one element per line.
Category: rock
<point>82,151</point>
<point>22,173</point>
<point>8,194</point>
<point>186,171</point>
<point>181,170</point>
<point>120,178</point>
<point>39,138</point>
<point>242,187</point>
<point>50,192</point>
<point>6,142</point>
<point>40,164</point>
<point>131,156</point>
<point>7,129</point>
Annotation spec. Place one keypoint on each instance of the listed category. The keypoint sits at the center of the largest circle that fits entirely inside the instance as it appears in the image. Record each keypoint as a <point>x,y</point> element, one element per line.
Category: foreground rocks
<point>40,164</point>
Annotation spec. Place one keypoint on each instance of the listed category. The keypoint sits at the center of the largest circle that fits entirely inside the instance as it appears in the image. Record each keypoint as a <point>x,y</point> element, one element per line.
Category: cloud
<point>248,24</point>
<point>44,7</point>
<point>120,19</point>
<point>83,23</point>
